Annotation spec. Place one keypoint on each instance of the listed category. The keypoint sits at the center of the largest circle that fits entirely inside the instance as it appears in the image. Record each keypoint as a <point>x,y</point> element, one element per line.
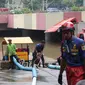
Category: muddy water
<point>51,50</point>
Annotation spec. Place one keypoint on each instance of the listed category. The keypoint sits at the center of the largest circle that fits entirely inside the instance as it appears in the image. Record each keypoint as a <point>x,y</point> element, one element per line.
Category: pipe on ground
<point>54,66</point>
<point>34,72</point>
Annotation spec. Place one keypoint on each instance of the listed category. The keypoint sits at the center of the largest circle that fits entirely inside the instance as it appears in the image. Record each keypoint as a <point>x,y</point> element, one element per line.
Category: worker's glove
<point>60,79</point>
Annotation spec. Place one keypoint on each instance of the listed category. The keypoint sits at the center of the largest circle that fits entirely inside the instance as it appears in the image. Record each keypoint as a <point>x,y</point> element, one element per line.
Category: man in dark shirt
<point>38,53</point>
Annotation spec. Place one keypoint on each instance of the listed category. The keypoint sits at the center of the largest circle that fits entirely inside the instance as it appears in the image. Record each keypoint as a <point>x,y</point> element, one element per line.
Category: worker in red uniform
<point>73,56</point>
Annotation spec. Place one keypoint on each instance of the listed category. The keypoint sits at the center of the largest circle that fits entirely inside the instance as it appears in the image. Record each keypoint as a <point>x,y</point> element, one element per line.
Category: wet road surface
<point>18,77</point>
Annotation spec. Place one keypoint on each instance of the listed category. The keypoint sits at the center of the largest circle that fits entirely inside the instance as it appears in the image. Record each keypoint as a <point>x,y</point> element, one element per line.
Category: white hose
<point>34,81</point>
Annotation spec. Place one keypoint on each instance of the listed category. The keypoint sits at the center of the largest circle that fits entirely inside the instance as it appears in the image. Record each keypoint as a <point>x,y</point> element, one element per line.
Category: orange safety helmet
<point>68,26</point>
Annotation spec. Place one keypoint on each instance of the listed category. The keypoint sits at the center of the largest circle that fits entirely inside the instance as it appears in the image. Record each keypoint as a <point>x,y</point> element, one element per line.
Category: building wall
<point>53,18</point>
<point>3,18</point>
<point>34,21</point>
<point>80,26</point>
<point>10,21</point>
<point>19,21</point>
<point>83,16</point>
<point>72,14</point>
<point>28,21</point>
<point>39,21</point>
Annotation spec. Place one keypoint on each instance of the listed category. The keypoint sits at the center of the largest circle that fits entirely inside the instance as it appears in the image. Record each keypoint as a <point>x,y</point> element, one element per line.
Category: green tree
<point>69,3</point>
<point>26,3</point>
<point>26,10</point>
<point>75,8</point>
<point>79,2</point>
<point>39,4</point>
<point>2,3</point>
<point>32,4</point>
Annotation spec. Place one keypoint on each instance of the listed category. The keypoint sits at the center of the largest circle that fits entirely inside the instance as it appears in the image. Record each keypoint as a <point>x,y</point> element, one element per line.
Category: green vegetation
<point>75,8</point>
<point>42,5</point>
<point>2,3</point>
<point>22,11</point>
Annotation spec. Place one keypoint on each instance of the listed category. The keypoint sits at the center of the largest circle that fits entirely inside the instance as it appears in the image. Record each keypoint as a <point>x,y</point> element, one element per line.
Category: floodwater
<point>15,77</point>
<point>18,77</point>
<point>51,50</point>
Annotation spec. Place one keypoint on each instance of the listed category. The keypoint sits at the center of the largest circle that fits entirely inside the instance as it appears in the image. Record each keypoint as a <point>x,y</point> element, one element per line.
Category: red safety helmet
<point>68,26</point>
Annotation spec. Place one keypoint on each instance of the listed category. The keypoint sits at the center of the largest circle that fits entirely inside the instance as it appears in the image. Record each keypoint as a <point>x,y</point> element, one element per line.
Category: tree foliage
<point>2,3</point>
<point>79,2</point>
<point>43,5</point>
